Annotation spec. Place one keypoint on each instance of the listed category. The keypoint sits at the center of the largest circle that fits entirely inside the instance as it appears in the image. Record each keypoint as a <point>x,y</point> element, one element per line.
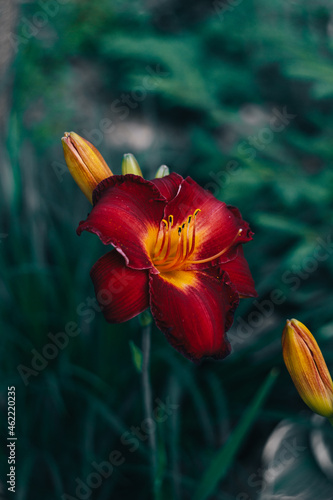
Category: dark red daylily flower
<point>177,250</point>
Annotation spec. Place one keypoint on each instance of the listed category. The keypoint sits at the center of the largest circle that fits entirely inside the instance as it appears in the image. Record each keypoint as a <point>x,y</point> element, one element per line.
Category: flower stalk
<point>146,322</point>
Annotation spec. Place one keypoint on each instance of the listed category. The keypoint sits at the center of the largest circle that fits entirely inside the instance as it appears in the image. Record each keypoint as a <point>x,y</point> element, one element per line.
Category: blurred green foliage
<point>198,87</point>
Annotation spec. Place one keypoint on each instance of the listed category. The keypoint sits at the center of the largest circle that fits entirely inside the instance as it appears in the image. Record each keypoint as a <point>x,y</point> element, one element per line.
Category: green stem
<point>330,419</point>
<point>147,398</point>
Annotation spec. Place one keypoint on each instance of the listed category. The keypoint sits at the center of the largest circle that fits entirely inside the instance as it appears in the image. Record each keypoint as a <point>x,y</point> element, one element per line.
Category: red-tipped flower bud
<point>307,368</point>
<point>85,163</point>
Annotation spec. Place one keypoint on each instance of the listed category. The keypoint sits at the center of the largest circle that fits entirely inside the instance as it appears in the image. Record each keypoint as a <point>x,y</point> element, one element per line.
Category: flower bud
<point>162,172</point>
<point>85,163</point>
<point>130,165</point>
<point>307,368</point>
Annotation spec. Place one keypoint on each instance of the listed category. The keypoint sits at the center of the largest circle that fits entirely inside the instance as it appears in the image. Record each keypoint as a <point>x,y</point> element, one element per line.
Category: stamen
<point>218,254</point>
<point>163,238</point>
<point>184,242</point>
<point>177,257</point>
<point>188,237</point>
<point>193,232</point>
<point>168,236</point>
<point>184,247</point>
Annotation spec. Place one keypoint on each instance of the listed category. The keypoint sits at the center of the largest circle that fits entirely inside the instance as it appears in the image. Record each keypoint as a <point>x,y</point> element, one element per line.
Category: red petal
<point>194,310</point>
<point>217,225</point>
<point>127,213</point>
<point>168,186</point>
<point>121,292</point>
<point>240,275</point>
<point>235,211</point>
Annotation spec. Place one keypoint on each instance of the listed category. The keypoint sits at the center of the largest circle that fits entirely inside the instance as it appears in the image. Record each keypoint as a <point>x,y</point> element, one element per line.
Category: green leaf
<point>222,461</point>
<point>136,356</point>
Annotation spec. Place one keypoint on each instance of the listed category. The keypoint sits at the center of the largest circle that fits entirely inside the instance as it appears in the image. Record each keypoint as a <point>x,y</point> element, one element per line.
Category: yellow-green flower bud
<point>130,165</point>
<point>162,172</point>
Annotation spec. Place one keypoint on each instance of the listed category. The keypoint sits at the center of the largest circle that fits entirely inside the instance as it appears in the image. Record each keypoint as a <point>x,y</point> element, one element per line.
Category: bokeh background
<point>237,94</point>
